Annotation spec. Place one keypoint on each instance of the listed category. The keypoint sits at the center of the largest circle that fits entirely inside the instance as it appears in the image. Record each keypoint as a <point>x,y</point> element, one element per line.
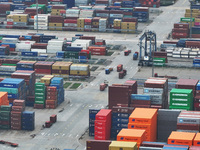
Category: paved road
<point>73,121</point>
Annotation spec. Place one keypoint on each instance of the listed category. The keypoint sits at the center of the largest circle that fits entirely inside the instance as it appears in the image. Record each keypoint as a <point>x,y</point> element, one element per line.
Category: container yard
<point>99,75</point>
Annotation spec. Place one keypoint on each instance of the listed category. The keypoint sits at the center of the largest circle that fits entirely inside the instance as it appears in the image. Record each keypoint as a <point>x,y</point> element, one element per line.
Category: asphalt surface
<point>73,121</point>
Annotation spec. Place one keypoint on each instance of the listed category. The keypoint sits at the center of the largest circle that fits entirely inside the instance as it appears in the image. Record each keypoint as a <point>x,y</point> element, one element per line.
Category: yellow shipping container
<point>79,73</point>
<point>55,24</point>
<point>56,10</point>
<point>121,145</point>
<point>21,15</point>
<point>117,21</point>
<point>20,20</point>
<point>55,13</point>
<point>117,24</point>
<point>128,23</point>
<point>187,15</point>
<point>197,19</point>
<point>61,65</point>
<point>188,23</point>
<point>80,20</point>
<point>55,28</point>
<point>95,30</point>
<point>10,17</point>
<point>193,10</point>
<point>130,28</point>
<point>95,23</point>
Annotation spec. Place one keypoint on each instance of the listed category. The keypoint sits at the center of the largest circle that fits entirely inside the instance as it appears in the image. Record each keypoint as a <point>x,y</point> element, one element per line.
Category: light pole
<point>37,14</point>
<point>190,18</point>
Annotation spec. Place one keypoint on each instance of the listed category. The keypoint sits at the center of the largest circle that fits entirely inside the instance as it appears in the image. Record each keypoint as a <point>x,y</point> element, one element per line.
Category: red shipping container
<point>53,118</point>
<point>103,114</point>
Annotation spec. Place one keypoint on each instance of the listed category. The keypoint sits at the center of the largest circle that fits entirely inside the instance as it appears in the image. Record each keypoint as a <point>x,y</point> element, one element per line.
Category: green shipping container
<point>6,108</point>
<point>5,113</point>
<point>181,93</point>
<point>4,127</point>
<point>187,19</point>
<point>40,94</point>
<point>40,98</point>
<point>39,85</point>
<point>5,118</point>
<point>73,55</point>
<point>39,102</point>
<point>9,65</point>
<point>180,108</point>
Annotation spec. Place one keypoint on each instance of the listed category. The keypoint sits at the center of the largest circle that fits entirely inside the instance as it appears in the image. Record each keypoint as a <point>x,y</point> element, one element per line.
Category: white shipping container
<point>9,20</point>
<point>10,40</point>
<point>39,50</point>
<point>7,68</point>
<point>70,25</point>
<point>41,27</point>
<point>116,15</point>
<point>78,67</point>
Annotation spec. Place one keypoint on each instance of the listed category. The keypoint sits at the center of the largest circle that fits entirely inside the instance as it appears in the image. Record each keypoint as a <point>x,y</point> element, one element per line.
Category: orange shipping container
<point>4,98</point>
<point>143,115</point>
<point>196,141</point>
<point>131,135</point>
<point>181,138</point>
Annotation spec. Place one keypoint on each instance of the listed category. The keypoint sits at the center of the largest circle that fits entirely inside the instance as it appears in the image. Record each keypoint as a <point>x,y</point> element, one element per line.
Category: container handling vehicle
<point>9,143</point>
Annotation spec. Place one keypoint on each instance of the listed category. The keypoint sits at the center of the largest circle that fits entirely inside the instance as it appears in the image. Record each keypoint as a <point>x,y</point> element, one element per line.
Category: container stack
<point>115,14</point>
<point>159,55</point>
<point>189,84</point>
<point>120,118</point>
<point>144,118</point>
<point>95,24</point>
<point>141,13</point>
<point>103,24</point>
<point>187,121</point>
<point>167,122</point>
<point>140,100</point>
<point>160,62</point>
<point>80,70</point>
<point>39,47</point>
<point>102,125</point>
<point>54,46</point>
<point>147,3</point>
<point>92,115</point>
<point>45,39</point>
<point>51,100</point>
<point>181,138</point>
<point>86,13</point>
<point>80,24</point>
<point>55,10</point>
<point>20,21</point>
<point>97,144</point>
<point>26,65</point>
<point>72,52</point>
<point>119,95</point>
<point>117,25</point>
<point>123,145</point>
<point>87,24</point>
<point>42,21</point>
<point>97,50</point>
<point>70,25</point>
<point>84,44</point>
<point>24,46</point>
<point>72,13</point>
<point>4,50</point>
<point>29,77</point>
<point>56,23</point>
<point>195,13</point>
<point>181,99</point>
<point>61,68</point>
<point>196,141</point>
<point>28,120</point>
<point>128,27</point>
<point>16,114</point>
<point>3,8</point>
<point>46,79</point>
<point>58,83</point>
<point>102,13</point>
<point>16,88</point>
<point>43,67</point>
<point>180,30</point>
<point>40,95</point>
<point>5,115</point>
<point>156,96</point>
<point>196,62</point>
<point>187,20</point>
<point>132,135</point>
<point>156,84</point>
<point>4,98</point>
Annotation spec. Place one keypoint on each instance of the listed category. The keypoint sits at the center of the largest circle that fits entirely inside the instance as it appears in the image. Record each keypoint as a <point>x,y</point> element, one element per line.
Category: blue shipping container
<point>140,97</point>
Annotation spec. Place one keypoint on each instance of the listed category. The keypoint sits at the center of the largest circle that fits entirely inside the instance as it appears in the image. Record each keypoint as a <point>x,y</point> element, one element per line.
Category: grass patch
<point>75,85</point>
<point>109,53</point>
<point>67,84</point>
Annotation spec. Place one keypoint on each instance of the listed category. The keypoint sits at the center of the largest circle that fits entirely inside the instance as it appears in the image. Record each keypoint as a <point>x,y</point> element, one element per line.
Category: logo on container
<point>122,138</point>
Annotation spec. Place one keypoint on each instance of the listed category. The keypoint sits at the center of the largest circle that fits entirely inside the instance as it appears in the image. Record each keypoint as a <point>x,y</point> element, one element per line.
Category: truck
<point>135,56</point>
<point>104,85</point>
<point>9,143</point>
<point>119,67</point>
<point>127,52</point>
<point>122,74</point>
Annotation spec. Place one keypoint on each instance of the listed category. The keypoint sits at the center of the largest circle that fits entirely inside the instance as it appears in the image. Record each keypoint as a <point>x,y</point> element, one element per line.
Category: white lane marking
<point>71,105</point>
<point>49,134</point>
<point>77,135</point>
<point>70,135</point>
<point>55,134</point>
<point>90,106</point>
<point>63,135</point>
<point>42,133</point>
